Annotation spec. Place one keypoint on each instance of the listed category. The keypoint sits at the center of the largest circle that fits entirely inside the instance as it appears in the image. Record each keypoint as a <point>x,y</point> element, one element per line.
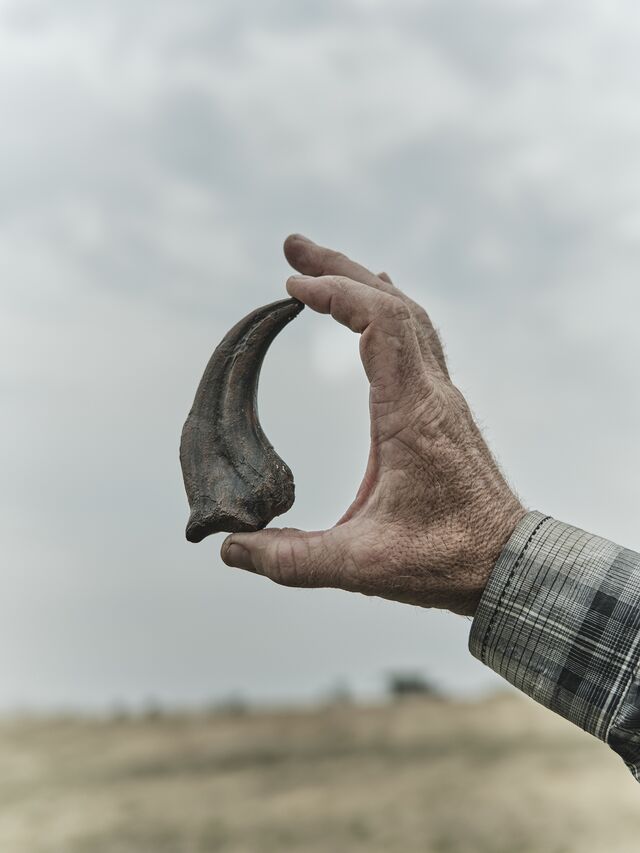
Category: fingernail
<point>302,237</point>
<point>238,557</point>
<point>300,278</point>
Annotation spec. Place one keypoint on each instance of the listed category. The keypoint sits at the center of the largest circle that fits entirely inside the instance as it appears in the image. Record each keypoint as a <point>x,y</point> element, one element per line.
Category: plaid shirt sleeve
<point>560,620</point>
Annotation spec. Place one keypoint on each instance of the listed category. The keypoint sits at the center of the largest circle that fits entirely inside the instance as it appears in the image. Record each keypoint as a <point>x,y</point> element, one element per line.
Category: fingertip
<point>297,285</point>
<point>296,237</point>
<point>237,556</point>
<point>300,251</point>
<point>294,244</point>
<point>225,547</point>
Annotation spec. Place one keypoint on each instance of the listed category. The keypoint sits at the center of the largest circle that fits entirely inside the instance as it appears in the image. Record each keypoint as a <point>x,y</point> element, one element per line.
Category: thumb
<point>290,557</point>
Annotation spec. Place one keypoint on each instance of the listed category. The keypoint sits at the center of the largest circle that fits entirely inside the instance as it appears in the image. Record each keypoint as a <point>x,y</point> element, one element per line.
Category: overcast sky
<point>153,156</point>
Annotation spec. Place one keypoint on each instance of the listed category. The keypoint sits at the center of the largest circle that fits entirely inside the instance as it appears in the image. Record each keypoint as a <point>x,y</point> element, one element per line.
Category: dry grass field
<point>497,776</point>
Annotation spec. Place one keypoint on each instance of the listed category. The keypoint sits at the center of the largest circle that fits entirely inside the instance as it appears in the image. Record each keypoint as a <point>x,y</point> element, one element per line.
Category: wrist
<point>491,539</point>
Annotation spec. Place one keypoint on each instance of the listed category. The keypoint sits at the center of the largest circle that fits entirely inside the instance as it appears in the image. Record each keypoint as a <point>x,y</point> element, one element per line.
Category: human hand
<point>433,511</point>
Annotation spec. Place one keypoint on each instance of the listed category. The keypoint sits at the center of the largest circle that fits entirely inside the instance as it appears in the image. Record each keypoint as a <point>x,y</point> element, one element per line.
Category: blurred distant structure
<point>403,684</point>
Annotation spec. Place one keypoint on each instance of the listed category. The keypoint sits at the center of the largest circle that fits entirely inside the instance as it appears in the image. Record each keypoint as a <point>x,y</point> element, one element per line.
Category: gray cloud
<point>154,156</point>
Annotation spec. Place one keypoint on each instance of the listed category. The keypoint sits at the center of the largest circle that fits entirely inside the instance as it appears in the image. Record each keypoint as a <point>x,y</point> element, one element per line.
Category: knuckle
<point>291,563</point>
<point>341,282</point>
<point>458,400</point>
<point>284,562</point>
<point>394,308</point>
<point>421,315</point>
<point>424,322</point>
<point>422,318</point>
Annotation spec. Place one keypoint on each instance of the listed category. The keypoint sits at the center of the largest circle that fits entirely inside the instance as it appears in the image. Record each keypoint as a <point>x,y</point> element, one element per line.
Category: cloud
<point>154,156</point>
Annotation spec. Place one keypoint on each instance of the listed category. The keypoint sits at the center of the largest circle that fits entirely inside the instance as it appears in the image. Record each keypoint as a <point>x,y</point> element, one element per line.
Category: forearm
<point>560,620</point>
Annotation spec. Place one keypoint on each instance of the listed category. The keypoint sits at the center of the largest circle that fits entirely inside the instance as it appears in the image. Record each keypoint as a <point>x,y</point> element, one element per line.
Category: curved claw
<point>234,479</point>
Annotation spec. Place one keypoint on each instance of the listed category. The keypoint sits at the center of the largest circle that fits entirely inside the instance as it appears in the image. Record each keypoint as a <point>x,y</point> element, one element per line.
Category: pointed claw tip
<point>196,532</point>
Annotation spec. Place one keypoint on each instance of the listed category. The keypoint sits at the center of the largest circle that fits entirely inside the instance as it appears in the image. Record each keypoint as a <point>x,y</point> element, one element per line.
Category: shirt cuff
<point>560,620</point>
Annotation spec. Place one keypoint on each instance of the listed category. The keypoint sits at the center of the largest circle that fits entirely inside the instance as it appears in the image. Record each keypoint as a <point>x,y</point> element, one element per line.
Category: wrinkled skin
<point>433,511</point>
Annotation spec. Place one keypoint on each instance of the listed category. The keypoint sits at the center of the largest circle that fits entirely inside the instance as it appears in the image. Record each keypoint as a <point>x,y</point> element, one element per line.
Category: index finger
<point>311,259</point>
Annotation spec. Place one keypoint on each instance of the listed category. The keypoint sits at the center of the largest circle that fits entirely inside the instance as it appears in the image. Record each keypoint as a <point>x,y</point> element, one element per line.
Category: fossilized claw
<point>233,477</point>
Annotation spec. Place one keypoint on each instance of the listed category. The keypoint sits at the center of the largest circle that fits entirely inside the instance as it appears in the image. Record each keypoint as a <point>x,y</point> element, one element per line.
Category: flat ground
<point>499,776</point>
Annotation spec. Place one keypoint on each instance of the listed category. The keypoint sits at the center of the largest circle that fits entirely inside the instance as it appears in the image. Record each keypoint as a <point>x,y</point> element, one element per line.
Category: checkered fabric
<point>560,620</point>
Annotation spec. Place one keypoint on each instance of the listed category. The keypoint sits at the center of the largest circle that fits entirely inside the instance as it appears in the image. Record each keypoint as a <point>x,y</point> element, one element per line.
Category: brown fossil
<point>233,477</point>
